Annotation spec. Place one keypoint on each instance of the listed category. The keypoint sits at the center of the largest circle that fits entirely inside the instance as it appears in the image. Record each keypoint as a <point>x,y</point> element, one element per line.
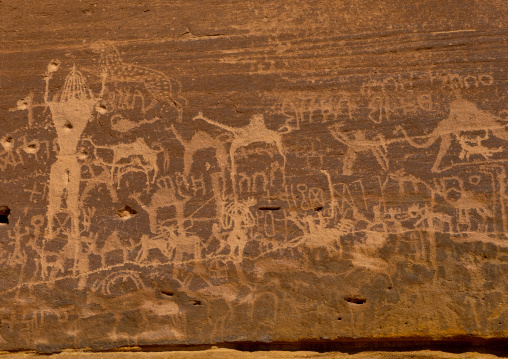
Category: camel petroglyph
<point>464,116</point>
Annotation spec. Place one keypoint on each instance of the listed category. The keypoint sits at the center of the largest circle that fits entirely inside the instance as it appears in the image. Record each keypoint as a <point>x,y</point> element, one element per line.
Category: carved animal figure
<point>464,116</point>
<point>158,85</point>
<point>357,142</point>
<point>200,141</point>
<point>138,148</point>
<point>255,132</point>
<point>181,243</point>
<point>99,175</point>
<point>171,244</point>
<point>472,145</point>
<point>165,196</point>
<point>143,157</point>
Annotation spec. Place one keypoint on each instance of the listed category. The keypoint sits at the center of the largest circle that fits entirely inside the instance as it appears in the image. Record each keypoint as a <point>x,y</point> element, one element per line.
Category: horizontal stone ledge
<point>417,347</point>
<point>220,353</point>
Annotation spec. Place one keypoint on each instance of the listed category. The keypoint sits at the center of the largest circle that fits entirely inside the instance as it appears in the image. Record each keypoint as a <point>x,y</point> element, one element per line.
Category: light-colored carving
<point>121,124</point>
<point>237,220</point>
<point>71,111</point>
<point>255,132</point>
<point>471,145</point>
<point>166,195</point>
<point>200,141</point>
<point>136,156</point>
<point>112,243</point>
<point>464,116</point>
<point>158,85</point>
<point>98,174</point>
<point>466,203</point>
<point>357,142</point>
<point>307,108</point>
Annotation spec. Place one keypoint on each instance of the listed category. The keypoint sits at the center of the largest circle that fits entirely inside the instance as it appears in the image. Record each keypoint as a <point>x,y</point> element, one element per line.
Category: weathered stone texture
<point>228,353</point>
<point>199,172</point>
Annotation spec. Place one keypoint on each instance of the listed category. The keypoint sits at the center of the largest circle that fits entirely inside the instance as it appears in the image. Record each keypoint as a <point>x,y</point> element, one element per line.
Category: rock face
<point>206,172</point>
<point>228,353</point>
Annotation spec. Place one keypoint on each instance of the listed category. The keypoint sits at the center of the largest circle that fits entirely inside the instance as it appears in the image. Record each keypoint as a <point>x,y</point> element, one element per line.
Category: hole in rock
<point>126,212</point>
<point>196,302</point>
<point>169,294</point>
<point>269,208</point>
<point>31,148</point>
<point>7,143</point>
<point>318,208</point>
<point>53,66</point>
<point>69,125</point>
<point>355,299</point>
<point>4,214</point>
<point>101,109</point>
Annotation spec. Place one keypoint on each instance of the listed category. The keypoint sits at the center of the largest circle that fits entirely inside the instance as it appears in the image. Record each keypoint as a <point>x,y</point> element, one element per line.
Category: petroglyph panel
<point>189,172</point>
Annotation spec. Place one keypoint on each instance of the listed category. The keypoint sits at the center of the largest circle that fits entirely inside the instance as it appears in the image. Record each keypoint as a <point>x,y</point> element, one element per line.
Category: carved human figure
<point>237,219</point>
<point>71,110</point>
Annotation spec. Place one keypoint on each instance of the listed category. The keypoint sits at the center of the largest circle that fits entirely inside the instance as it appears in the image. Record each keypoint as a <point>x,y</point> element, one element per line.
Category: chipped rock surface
<point>194,172</point>
<point>229,353</point>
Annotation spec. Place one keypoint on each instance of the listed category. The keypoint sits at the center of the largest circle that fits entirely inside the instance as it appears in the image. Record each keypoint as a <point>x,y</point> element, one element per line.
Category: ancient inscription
<point>145,207</point>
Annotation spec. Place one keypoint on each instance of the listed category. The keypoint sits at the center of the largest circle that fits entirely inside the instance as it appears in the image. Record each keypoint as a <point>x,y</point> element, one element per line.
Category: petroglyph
<point>136,156</point>
<point>166,195</point>
<point>200,141</point>
<point>255,132</point>
<point>158,85</point>
<point>347,200</point>
<point>464,116</point>
<point>71,111</point>
<point>306,108</point>
<point>357,142</point>
<point>120,124</point>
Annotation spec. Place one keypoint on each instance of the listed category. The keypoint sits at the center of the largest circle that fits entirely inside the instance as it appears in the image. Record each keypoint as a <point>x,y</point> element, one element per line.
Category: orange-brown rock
<point>196,172</point>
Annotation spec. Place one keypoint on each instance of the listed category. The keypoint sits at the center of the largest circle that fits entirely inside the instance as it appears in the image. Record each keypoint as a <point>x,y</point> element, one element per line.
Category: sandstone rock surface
<point>191,172</point>
<point>228,353</point>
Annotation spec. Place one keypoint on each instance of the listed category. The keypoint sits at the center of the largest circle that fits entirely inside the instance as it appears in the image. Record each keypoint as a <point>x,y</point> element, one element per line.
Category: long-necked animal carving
<point>255,132</point>
<point>464,116</point>
<point>200,141</point>
<point>158,85</point>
